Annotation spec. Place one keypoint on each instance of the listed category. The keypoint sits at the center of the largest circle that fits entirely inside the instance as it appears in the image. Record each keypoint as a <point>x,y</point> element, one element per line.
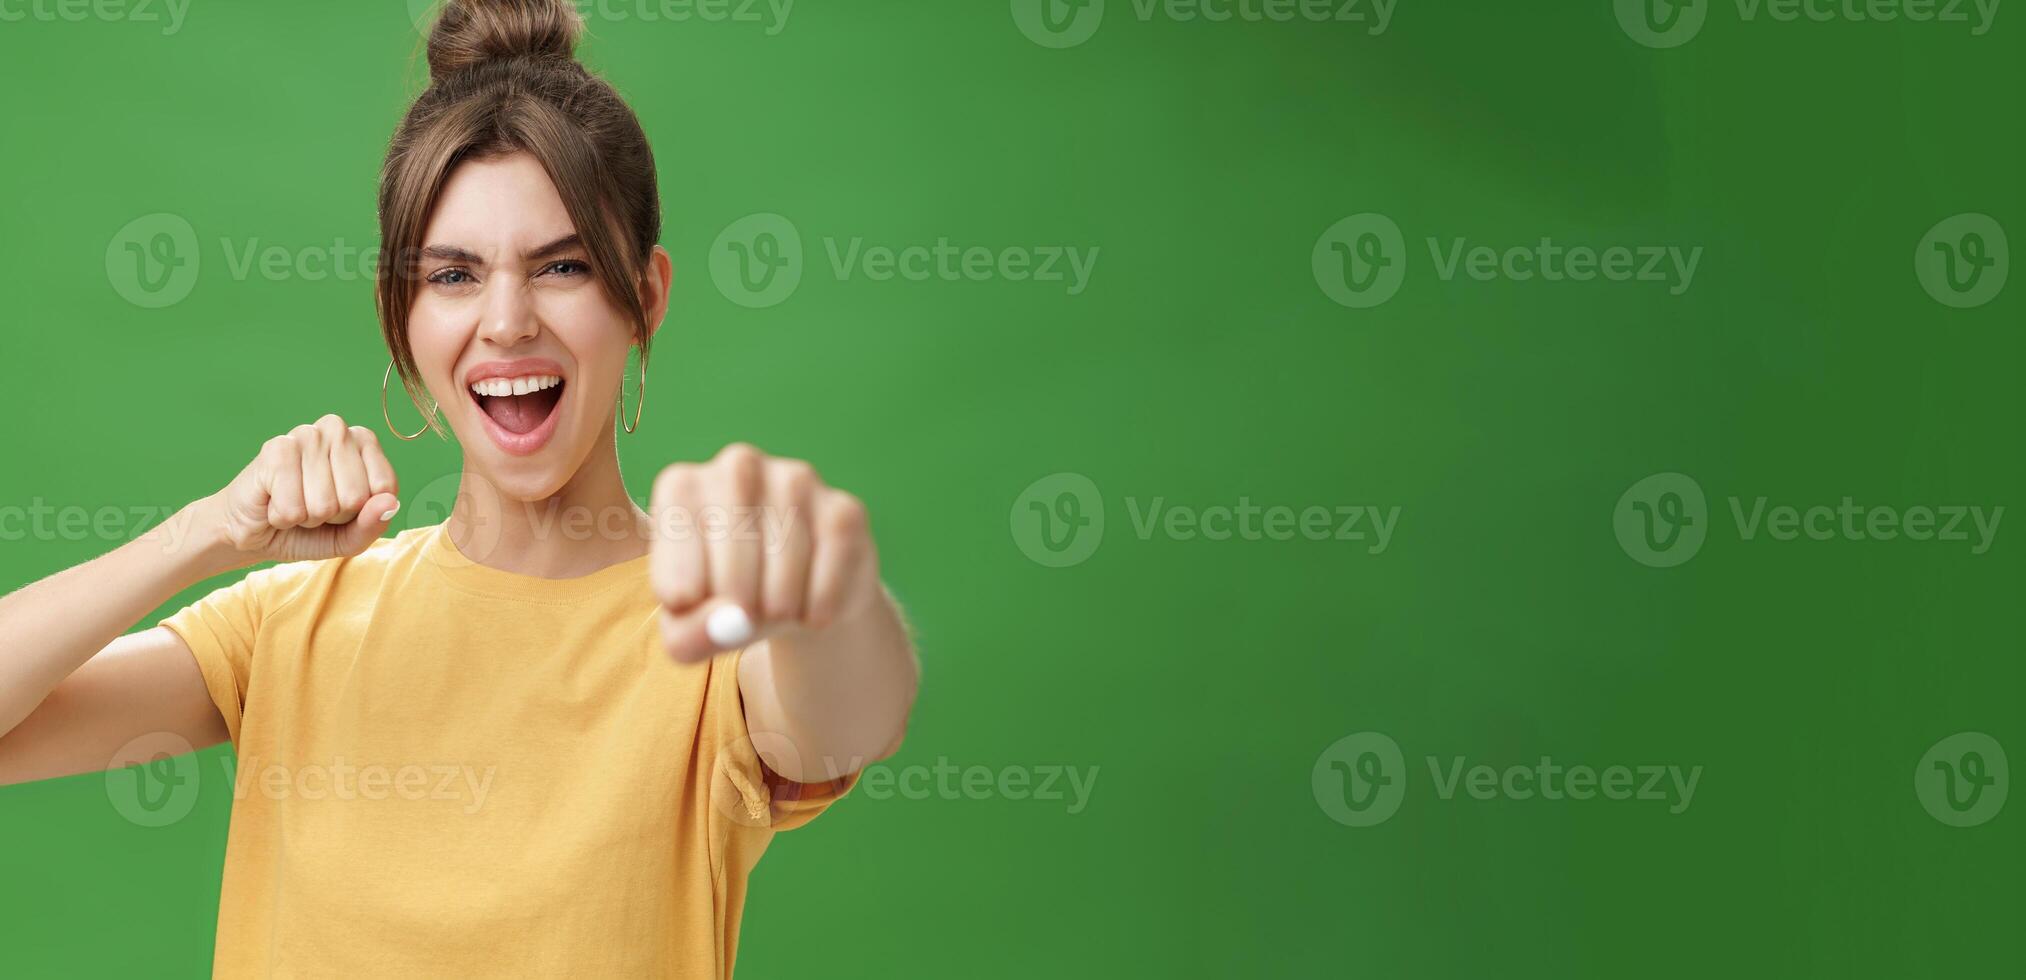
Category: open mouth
<point>520,411</point>
<point>519,405</point>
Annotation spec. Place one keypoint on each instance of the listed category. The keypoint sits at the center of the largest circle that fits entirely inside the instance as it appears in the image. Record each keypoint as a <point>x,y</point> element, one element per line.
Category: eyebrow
<point>453,253</point>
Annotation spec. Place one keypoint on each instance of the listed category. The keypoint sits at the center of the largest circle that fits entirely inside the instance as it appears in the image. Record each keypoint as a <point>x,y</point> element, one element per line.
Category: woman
<point>553,734</point>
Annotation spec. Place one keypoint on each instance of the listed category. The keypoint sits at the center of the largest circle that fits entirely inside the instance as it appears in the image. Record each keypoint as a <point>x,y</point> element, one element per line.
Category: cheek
<point>597,336</point>
<point>436,341</point>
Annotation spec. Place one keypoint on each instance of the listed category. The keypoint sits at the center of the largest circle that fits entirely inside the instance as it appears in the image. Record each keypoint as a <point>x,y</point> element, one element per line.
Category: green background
<point>1203,364</point>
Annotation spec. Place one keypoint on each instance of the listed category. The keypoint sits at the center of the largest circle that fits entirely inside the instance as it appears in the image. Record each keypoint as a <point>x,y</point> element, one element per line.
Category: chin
<point>521,427</point>
<point>523,479</point>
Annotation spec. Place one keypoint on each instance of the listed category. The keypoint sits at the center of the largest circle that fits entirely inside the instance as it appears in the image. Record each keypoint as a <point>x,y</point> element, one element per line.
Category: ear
<point>655,280</point>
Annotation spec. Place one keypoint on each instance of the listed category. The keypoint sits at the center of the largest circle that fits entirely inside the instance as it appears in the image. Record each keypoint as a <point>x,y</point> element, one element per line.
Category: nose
<point>508,317</point>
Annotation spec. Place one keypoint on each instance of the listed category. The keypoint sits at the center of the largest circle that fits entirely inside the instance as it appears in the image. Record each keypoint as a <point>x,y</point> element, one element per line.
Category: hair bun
<point>469,33</point>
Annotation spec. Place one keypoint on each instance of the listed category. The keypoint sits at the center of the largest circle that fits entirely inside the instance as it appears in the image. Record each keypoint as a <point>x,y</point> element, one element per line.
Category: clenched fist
<point>749,546</point>
<point>321,491</point>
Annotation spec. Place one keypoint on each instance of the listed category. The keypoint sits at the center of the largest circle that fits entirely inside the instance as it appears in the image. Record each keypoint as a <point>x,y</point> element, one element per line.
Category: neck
<point>588,524</point>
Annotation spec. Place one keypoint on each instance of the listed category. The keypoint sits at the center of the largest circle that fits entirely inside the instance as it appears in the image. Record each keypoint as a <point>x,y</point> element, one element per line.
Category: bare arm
<point>841,695</point>
<point>73,690</point>
<point>829,673</point>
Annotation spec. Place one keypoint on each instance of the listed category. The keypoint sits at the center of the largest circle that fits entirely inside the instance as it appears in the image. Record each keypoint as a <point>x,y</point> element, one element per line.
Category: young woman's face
<point>511,330</point>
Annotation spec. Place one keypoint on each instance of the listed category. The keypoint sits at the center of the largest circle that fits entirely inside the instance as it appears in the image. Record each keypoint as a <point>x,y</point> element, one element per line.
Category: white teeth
<point>502,387</point>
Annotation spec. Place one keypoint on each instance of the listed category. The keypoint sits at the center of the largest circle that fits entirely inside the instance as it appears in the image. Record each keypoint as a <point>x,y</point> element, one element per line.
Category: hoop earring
<point>638,408</point>
<point>427,421</point>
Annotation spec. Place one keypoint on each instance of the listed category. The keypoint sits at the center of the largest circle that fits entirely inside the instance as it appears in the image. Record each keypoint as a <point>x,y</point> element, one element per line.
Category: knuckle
<point>671,629</point>
<point>740,453</point>
<point>364,436</point>
<point>741,473</point>
<point>843,514</point>
<point>796,478</point>
<point>781,605</point>
<point>676,591</point>
<point>674,479</point>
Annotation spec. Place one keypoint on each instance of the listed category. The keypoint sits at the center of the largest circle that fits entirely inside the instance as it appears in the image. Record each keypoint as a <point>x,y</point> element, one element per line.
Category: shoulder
<point>279,585</point>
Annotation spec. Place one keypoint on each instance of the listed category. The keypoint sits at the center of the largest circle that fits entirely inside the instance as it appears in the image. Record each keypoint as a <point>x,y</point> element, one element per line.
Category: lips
<point>519,401</point>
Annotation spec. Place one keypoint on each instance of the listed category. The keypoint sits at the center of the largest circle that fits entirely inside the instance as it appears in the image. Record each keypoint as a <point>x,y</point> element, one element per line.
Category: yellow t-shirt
<point>447,770</point>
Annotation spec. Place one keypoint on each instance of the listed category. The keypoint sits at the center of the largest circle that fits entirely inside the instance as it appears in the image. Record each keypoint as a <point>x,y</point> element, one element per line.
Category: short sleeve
<point>220,630</point>
<point>745,789</point>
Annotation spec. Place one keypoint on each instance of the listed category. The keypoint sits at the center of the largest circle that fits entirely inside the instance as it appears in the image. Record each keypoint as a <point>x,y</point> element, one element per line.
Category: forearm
<point>840,698</point>
<point>53,626</point>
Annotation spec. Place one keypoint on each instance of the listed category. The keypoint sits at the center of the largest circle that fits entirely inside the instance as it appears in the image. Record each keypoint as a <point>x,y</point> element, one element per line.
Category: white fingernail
<point>729,627</point>
<point>389,515</point>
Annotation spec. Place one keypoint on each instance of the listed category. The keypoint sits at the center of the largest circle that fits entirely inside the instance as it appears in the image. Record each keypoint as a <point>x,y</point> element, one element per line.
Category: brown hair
<point>503,79</point>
